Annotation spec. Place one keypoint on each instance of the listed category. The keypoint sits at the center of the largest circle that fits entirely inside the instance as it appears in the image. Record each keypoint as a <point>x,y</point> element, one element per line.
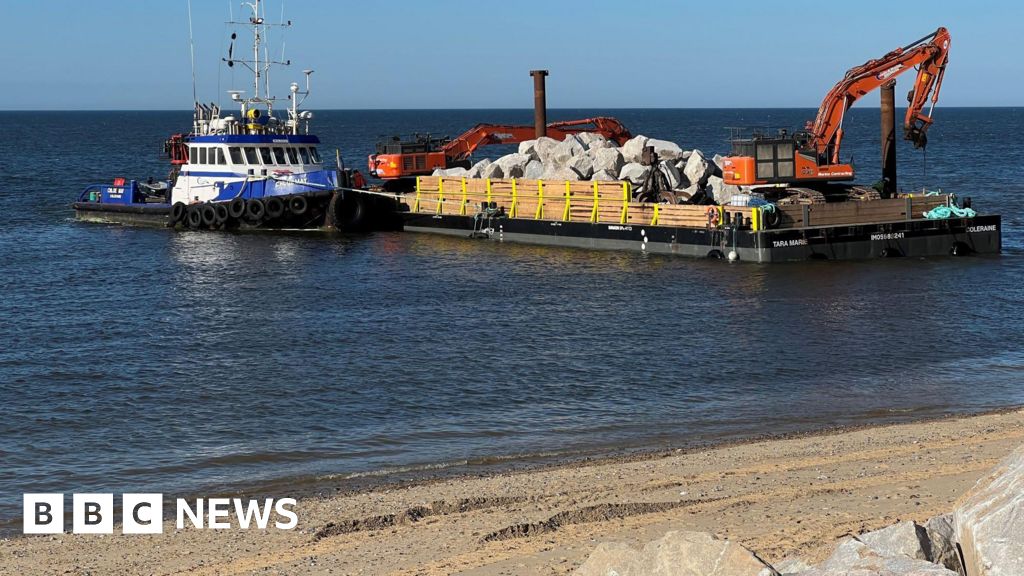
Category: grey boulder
<point>675,179</point>
<point>697,168</point>
<point>513,165</point>
<point>477,170</point>
<point>989,522</point>
<point>855,558</point>
<point>721,192</point>
<point>529,147</point>
<point>666,150</point>
<point>634,148</point>
<point>581,165</point>
<point>534,170</point>
<point>599,144</point>
<point>566,150</point>
<point>941,542</point>
<point>589,139</point>
<point>634,172</point>
<point>675,554</point>
<point>559,173</point>
<point>609,159</point>
<point>543,148</point>
<point>493,170</point>
<point>906,538</point>
<point>605,175</point>
<point>455,172</point>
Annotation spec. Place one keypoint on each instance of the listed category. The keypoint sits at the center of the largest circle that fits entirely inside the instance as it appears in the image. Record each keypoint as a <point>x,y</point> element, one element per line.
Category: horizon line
<point>481,108</point>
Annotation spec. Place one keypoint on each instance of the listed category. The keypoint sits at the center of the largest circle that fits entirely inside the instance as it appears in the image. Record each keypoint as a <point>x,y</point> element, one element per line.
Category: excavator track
<point>797,196</point>
<point>862,194</point>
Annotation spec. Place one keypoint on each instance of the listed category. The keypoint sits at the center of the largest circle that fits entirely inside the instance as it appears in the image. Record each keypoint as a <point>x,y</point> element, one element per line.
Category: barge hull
<point>913,238</point>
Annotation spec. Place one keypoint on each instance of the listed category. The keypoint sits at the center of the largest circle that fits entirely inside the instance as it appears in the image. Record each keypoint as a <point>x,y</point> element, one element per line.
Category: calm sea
<point>137,360</point>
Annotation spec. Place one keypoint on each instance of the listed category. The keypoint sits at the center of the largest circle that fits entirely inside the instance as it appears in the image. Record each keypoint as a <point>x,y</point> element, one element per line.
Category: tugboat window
<point>202,156</point>
<point>220,156</point>
<point>305,155</point>
<point>293,156</point>
<point>265,154</point>
<point>315,154</point>
<point>279,156</point>
<point>250,155</point>
<point>236,155</point>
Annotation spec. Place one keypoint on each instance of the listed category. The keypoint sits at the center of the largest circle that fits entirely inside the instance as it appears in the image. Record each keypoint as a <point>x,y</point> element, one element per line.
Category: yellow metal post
<point>488,192</point>
<point>593,213</point>
<point>440,195</point>
<point>462,208</point>
<point>416,204</point>
<point>540,200</point>
<point>625,202</point>
<point>755,219</point>
<point>568,193</point>
<point>657,212</point>
<point>514,210</point>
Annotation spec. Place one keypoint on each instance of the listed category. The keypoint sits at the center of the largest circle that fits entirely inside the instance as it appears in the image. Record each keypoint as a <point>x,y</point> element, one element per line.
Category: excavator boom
<point>928,55</point>
<point>406,159</point>
<point>813,155</point>
<point>462,148</point>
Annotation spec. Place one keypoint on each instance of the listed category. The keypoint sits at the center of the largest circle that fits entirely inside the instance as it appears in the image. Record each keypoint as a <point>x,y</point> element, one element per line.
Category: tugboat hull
<point>346,211</point>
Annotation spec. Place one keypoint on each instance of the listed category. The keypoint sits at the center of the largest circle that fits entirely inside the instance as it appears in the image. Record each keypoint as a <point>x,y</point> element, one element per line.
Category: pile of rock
<point>588,156</point>
<point>983,537</point>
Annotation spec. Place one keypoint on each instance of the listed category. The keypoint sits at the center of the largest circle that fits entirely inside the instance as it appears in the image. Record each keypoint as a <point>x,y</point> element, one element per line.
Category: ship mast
<point>260,122</point>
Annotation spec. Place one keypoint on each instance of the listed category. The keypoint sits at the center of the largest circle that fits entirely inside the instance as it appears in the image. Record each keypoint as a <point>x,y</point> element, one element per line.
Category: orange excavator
<point>811,158</point>
<point>397,159</point>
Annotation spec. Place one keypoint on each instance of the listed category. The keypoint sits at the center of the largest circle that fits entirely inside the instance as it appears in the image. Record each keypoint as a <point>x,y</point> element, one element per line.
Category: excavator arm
<point>462,147</point>
<point>928,55</point>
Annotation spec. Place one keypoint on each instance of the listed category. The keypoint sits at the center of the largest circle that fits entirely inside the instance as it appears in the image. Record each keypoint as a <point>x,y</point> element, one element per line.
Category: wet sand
<point>780,497</point>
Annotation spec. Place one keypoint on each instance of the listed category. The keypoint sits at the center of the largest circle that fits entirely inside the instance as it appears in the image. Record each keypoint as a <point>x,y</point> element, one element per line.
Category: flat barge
<point>603,215</point>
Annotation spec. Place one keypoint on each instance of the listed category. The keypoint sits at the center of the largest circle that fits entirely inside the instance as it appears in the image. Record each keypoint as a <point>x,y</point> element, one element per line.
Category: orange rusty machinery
<point>397,158</point>
<point>812,156</point>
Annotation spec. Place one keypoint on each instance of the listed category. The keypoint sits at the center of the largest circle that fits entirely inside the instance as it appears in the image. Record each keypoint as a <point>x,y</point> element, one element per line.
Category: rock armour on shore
<point>984,536</point>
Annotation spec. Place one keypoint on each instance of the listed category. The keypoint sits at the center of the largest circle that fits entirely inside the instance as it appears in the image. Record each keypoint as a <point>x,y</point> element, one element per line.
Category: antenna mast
<point>192,52</point>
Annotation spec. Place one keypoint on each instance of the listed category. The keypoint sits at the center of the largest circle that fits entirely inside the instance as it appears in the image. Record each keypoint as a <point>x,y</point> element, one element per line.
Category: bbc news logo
<point>143,513</point>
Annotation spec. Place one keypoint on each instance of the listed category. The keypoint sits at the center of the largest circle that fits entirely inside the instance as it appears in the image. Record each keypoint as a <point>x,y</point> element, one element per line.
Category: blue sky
<point>133,54</point>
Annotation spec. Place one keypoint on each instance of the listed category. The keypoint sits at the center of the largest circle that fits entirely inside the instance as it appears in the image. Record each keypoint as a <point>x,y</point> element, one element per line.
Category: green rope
<point>943,212</point>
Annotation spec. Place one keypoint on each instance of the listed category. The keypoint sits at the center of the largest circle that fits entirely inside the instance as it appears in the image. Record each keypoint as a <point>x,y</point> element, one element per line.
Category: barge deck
<point>602,215</point>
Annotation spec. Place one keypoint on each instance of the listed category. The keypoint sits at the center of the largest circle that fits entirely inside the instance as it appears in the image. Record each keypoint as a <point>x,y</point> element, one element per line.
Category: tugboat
<point>253,170</point>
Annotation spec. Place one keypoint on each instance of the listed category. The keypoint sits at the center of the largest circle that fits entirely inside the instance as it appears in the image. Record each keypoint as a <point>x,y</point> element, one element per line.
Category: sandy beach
<point>780,498</point>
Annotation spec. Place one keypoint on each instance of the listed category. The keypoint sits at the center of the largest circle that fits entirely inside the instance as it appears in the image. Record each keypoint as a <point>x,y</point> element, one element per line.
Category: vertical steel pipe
<point>888,92</point>
<point>540,105</point>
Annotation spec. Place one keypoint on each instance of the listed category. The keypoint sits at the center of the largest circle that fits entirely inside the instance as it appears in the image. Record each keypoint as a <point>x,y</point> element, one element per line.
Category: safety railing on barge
<point>610,202</point>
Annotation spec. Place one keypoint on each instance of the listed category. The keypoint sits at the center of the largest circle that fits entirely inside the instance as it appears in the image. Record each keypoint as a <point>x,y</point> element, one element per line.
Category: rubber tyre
<point>255,210</point>
<point>178,212</point>
<point>193,218</point>
<point>222,213</point>
<point>208,214</point>
<point>347,214</point>
<point>275,207</point>
<point>298,205</point>
<point>772,219</point>
<point>236,208</point>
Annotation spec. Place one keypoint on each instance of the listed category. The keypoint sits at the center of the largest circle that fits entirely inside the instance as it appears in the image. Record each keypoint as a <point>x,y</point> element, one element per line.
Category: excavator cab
<point>762,159</point>
<point>783,158</point>
<point>397,158</point>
